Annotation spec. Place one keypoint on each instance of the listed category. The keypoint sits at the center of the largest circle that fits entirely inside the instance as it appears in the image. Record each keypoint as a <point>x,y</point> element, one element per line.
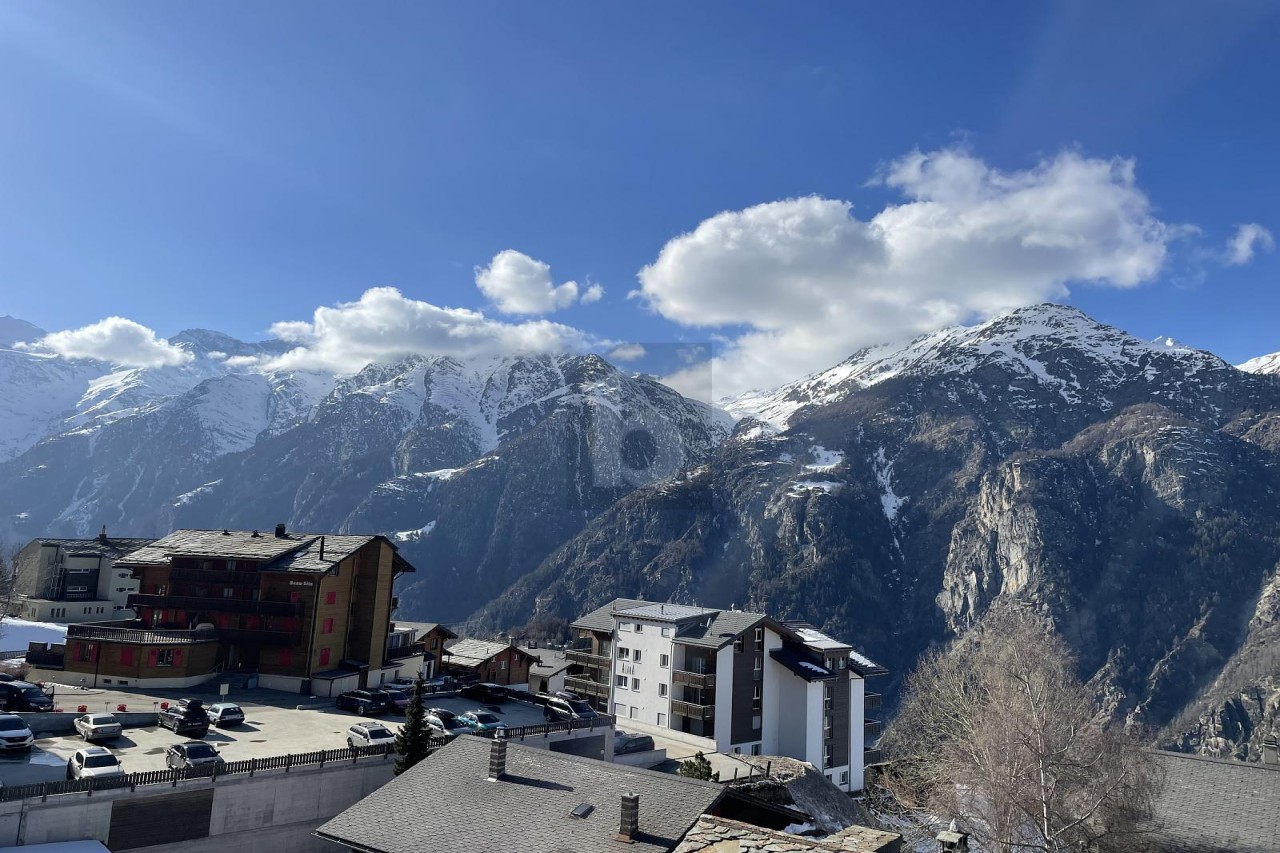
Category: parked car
<point>193,753</point>
<point>442,683</point>
<point>15,733</point>
<point>446,722</point>
<point>625,743</point>
<point>187,717</point>
<point>482,722</point>
<point>98,727</point>
<point>4,676</point>
<point>559,710</point>
<point>568,694</point>
<point>23,696</point>
<point>226,714</point>
<point>403,684</point>
<point>485,692</point>
<point>364,702</point>
<point>93,762</point>
<point>369,734</point>
<point>398,698</point>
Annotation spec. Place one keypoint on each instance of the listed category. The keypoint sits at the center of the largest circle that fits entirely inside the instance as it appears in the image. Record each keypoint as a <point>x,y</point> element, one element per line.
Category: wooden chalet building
<point>306,612</point>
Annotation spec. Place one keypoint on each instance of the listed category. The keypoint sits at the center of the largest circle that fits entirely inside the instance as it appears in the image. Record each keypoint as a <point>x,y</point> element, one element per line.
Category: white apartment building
<point>730,681</point>
<point>75,580</point>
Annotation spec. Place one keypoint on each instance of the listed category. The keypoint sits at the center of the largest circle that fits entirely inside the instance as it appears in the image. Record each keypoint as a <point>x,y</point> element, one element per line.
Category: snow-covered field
<point>17,633</point>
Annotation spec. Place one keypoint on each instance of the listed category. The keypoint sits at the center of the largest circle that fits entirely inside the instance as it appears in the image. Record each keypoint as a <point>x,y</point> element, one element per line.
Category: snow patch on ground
<point>889,500</point>
<point>824,460</point>
<point>826,486</point>
<point>415,535</point>
<point>187,497</point>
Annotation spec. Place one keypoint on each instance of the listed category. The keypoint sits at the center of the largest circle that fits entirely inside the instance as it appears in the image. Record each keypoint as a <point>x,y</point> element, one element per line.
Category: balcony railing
<point>216,605</point>
<point>871,729</point>
<point>871,701</point>
<point>401,652</point>
<point>213,576</point>
<point>586,658</point>
<point>704,680</point>
<point>147,636</point>
<point>696,712</point>
<point>872,756</point>
<point>586,687</point>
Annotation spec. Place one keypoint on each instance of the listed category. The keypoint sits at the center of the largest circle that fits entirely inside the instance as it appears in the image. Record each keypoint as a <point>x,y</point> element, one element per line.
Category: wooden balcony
<point>216,605</point>
<point>871,729</point>
<point>871,701</point>
<point>701,680</point>
<point>696,712</point>
<point>586,658</point>
<point>586,687</point>
<point>146,636</point>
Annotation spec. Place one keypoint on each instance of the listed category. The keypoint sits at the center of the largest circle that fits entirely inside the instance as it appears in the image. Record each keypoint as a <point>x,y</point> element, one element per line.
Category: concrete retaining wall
<point>275,810</point>
<point>648,758</point>
<point>64,723</point>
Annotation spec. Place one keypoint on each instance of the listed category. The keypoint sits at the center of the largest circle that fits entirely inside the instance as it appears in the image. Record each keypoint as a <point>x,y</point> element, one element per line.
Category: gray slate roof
<point>665,612</point>
<point>725,624</point>
<point>111,548</point>
<point>1212,805</point>
<point>472,653</point>
<point>447,803</point>
<point>295,552</point>
<point>550,661</point>
<point>601,619</point>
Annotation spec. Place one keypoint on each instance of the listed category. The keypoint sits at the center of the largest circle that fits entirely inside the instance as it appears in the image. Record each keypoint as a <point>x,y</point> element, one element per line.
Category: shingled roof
<point>112,548</point>
<point>293,552</point>
<point>473,653</point>
<point>528,808</point>
<point>1211,805</point>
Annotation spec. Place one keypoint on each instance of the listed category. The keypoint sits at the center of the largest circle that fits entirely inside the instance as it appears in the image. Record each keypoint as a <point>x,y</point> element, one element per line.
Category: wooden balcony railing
<point>148,636</point>
<point>696,712</point>
<point>702,680</point>
<point>586,687</point>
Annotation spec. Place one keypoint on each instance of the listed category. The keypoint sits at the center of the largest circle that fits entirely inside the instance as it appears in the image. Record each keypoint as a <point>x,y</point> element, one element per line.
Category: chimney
<point>256,534</point>
<point>102,534</point>
<point>630,823</point>
<point>321,546</point>
<point>951,840</point>
<point>280,534</point>
<point>1271,751</point>
<point>497,759</point>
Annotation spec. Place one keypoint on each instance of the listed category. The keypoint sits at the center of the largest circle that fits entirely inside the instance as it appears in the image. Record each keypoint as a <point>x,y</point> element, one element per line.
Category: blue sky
<point>233,165</point>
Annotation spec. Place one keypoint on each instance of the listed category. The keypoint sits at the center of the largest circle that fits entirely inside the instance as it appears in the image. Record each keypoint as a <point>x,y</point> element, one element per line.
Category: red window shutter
<point>126,656</point>
<point>177,657</point>
<point>285,658</point>
<point>152,657</point>
<point>324,657</point>
<point>293,597</point>
<point>331,598</point>
<point>93,653</point>
<point>328,627</point>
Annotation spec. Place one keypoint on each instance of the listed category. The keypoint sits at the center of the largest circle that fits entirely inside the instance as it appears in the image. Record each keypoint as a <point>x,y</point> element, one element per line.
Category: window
<point>293,597</point>
<point>737,644</point>
<point>635,684</point>
<point>826,757</point>
<point>332,598</point>
<point>624,626</point>
<point>639,628</point>
<point>166,657</point>
<point>662,719</point>
<point>844,777</point>
<point>326,627</point>
<point>826,727</point>
<point>755,698</point>
<point>622,681</point>
<point>88,652</point>
<point>759,639</point>
<point>502,664</point>
<point>227,592</point>
<point>664,661</point>
<point>636,656</point>
<point>662,689</point>
<point>435,642</point>
<point>619,710</point>
<point>624,653</point>
<point>666,630</point>
<point>635,712</point>
<point>324,657</point>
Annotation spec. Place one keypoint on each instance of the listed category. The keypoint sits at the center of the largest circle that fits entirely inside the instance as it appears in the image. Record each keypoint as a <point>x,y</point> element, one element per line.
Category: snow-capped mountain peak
<point>1262,364</point>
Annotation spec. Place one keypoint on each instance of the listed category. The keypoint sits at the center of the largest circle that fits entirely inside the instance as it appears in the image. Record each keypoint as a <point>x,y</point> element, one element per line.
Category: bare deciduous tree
<point>999,733</point>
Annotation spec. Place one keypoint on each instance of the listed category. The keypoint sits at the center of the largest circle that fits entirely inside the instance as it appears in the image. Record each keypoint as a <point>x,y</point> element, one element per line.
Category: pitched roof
<point>1209,805</point>
<point>550,661</point>
<point>601,619</point>
<point>112,548</point>
<point>293,552</point>
<point>529,807</point>
<point>665,612</point>
<point>471,653</point>
<point>424,628</point>
<point>713,833</point>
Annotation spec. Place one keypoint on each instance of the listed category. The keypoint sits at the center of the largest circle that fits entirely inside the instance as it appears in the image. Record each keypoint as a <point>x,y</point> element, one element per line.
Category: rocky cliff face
<point>1126,488</point>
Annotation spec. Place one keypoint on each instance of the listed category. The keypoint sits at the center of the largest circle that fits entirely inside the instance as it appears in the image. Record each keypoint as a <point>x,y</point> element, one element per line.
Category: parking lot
<point>273,726</point>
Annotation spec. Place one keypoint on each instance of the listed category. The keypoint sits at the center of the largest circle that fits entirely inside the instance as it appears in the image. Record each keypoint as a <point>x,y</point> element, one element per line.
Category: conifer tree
<point>413,739</point>
<point>698,767</point>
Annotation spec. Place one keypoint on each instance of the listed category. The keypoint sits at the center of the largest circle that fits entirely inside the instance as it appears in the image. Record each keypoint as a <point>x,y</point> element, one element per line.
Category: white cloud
<point>383,325</point>
<point>1247,240</point>
<point>593,293</point>
<point>519,284</point>
<point>627,352</point>
<point>811,282</point>
<point>115,339</point>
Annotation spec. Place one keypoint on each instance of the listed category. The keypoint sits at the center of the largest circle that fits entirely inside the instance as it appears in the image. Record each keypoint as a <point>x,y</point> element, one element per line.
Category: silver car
<point>98,727</point>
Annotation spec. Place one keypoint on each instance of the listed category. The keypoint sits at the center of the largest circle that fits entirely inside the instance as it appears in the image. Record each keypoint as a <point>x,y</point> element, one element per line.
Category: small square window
<point>622,681</point>
<point>759,639</point>
<point>624,653</point>
<point>664,660</point>
<point>636,656</point>
<point>635,712</point>
<point>639,627</point>
<point>666,630</point>
<point>635,684</point>
<point>844,777</point>
<point>737,644</point>
<point>662,689</point>
<point>662,719</point>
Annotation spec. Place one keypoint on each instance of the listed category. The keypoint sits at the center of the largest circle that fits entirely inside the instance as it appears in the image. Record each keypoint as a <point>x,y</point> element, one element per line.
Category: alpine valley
<point>1128,489</point>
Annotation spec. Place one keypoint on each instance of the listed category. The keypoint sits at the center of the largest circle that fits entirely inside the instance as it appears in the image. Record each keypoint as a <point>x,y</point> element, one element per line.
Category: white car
<point>98,727</point>
<point>15,733</point>
<point>369,734</point>
<point>93,762</point>
<point>225,714</point>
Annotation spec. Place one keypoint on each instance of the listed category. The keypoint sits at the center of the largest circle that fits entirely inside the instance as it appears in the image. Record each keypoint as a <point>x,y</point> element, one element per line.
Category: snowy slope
<point>1262,364</point>
<point>1052,345</point>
